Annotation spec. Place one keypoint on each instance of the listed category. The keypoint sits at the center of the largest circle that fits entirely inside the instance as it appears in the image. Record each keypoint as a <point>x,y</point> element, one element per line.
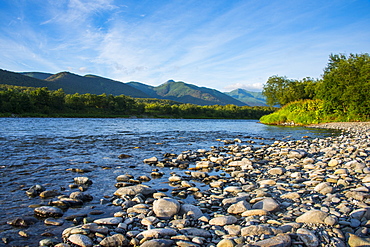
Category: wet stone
<point>54,222</point>
<point>109,221</point>
<point>22,221</point>
<point>134,190</point>
<point>48,211</point>
<point>82,180</point>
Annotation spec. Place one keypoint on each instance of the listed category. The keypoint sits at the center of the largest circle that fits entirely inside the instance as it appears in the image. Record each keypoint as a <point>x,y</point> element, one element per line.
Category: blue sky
<point>221,44</point>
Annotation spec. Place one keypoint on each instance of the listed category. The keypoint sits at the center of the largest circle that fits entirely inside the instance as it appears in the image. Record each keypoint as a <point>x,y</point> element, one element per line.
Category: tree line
<point>343,91</point>
<point>27,101</point>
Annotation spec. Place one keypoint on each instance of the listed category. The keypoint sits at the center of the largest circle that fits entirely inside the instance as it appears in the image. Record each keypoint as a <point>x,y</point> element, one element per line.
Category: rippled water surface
<point>40,150</point>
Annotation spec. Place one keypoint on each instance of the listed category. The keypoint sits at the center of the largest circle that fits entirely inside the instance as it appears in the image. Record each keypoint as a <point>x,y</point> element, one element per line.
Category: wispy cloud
<point>218,44</point>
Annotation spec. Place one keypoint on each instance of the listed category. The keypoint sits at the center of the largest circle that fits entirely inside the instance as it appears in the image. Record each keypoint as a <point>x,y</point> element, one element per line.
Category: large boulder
<point>166,207</point>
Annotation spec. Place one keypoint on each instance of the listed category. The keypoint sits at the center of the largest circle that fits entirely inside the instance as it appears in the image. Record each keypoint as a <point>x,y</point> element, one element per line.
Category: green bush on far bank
<point>305,112</point>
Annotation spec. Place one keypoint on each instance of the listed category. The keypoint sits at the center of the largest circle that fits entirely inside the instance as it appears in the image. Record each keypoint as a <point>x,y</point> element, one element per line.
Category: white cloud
<point>257,87</point>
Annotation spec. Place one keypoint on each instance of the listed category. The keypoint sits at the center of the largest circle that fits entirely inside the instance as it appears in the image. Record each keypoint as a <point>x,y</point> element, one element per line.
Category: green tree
<point>40,99</point>
<point>57,100</point>
<point>346,85</point>
<point>280,90</point>
<point>75,102</point>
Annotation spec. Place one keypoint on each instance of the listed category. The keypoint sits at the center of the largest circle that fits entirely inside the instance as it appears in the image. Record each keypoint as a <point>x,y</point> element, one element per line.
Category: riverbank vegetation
<point>41,102</point>
<point>343,94</point>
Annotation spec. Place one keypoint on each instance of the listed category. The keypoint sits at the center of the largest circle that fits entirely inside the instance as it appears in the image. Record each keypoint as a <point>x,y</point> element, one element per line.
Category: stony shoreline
<point>309,192</point>
<point>347,126</point>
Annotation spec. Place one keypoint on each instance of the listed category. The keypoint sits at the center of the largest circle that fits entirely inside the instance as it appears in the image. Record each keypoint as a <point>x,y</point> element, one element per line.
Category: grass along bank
<point>305,112</point>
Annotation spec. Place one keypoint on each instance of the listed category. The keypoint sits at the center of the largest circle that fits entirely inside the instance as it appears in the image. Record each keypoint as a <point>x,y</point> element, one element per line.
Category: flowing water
<point>41,150</point>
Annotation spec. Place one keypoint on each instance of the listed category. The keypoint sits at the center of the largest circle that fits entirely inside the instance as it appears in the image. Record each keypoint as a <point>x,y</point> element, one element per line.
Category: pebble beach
<point>307,192</point>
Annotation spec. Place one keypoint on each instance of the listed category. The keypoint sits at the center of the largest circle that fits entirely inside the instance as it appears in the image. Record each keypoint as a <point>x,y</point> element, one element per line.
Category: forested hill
<point>17,79</point>
<point>171,90</point>
<point>72,83</point>
<point>37,75</point>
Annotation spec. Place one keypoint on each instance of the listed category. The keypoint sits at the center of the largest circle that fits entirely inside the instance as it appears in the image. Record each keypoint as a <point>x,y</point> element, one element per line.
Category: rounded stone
<point>276,171</point>
<point>256,230</point>
<point>134,190</point>
<point>157,233</point>
<point>267,182</point>
<point>166,207</point>
<point>255,212</point>
<point>324,188</point>
<point>54,222</point>
<point>223,220</point>
<point>48,211</point>
<point>239,207</point>
<point>356,241</point>
<point>151,220</point>
<point>308,237</point>
<point>330,220</point>
<point>191,211</point>
<point>158,243</point>
<point>267,204</point>
<point>109,221</point>
<point>333,162</point>
<point>174,179</point>
<point>81,240</point>
<point>49,193</point>
<point>115,240</point>
<point>282,240</point>
<point>226,243</point>
<point>312,216</point>
<point>48,242</point>
<point>82,180</point>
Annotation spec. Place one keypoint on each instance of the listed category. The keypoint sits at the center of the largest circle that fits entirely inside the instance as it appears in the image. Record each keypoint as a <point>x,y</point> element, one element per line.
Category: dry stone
<point>81,240</point>
<point>268,204</point>
<point>223,220</point>
<point>308,237</point>
<point>166,207</point>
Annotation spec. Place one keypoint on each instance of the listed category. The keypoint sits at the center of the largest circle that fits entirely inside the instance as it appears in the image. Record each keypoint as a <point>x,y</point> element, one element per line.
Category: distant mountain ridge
<point>248,97</point>
<point>188,93</point>
<point>172,90</point>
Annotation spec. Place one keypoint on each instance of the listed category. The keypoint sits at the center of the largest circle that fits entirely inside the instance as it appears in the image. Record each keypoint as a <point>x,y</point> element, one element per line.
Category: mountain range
<point>172,90</point>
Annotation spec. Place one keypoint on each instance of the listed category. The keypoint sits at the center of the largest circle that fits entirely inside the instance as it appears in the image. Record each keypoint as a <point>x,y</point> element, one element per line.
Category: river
<point>41,150</point>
